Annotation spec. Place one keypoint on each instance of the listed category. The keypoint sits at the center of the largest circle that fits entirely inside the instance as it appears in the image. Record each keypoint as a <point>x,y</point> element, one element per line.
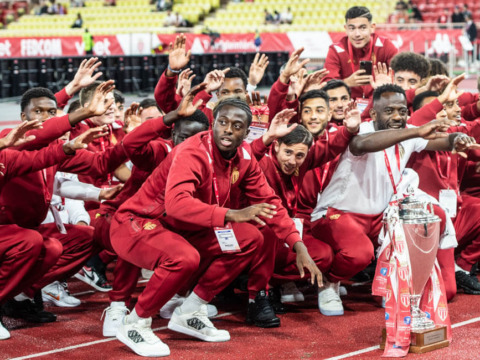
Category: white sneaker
<point>57,293</point>
<point>114,315</point>
<point>197,325</point>
<point>290,293</point>
<point>329,301</point>
<point>4,334</point>
<point>140,338</point>
<point>167,310</point>
<point>147,274</point>
<point>342,291</point>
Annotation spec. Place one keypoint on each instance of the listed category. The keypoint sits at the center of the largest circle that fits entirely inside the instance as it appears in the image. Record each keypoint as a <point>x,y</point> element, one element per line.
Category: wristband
<point>174,71</point>
<point>251,87</point>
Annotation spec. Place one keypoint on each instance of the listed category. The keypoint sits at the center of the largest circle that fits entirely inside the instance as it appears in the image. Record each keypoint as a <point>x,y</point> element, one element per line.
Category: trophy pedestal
<point>424,340</point>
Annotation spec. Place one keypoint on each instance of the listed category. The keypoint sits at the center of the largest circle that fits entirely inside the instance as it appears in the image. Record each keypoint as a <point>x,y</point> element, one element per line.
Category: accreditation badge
<point>226,239</point>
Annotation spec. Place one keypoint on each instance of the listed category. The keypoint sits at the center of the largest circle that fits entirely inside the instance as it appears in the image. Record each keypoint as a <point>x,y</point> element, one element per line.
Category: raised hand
<point>434,129</point>
<point>82,141</point>
<point>99,103</point>
<point>450,92</point>
<point>17,136</point>
<point>293,66</point>
<point>184,83</point>
<point>358,78</point>
<point>84,75</point>
<point>2,169</point>
<point>304,261</point>
<point>186,107</point>
<point>257,69</point>
<point>215,79</point>
<point>382,75</point>
<point>314,80</point>
<point>279,126</point>
<point>251,213</point>
<point>353,117</point>
<point>297,83</point>
<point>132,117</point>
<point>110,193</point>
<point>178,57</point>
<point>463,143</point>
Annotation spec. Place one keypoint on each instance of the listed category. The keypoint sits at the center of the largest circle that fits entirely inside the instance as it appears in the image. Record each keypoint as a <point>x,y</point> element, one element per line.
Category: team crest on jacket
<point>149,226</point>
<point>403,272</point>
<point>335,216</point>
<point>235,175</point>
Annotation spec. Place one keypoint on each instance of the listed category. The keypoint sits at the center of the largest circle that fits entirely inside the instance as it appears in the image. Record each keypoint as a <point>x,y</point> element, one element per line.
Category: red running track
<point>304,334</point>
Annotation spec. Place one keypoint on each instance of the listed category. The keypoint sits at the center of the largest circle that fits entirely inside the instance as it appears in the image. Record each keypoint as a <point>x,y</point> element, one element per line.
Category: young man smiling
<point>360,44</point>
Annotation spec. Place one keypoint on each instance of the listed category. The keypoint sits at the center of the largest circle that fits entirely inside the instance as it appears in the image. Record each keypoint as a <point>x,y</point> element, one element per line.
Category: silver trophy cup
<point>422,234</point>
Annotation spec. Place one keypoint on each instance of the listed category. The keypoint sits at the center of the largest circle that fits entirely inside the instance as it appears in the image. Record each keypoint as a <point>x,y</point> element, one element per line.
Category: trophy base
<point>424,340</point>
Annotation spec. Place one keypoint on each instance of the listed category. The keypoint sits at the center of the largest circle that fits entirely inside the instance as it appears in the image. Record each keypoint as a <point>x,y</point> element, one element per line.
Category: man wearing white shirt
<point>349,213</point>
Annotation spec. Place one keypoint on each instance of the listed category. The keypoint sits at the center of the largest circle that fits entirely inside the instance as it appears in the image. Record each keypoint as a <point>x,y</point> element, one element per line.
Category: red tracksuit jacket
<point>25,200</point>
<point>284,185</point>
<point>277,101</point>
<point>180,191</point>
<point>339,61</point>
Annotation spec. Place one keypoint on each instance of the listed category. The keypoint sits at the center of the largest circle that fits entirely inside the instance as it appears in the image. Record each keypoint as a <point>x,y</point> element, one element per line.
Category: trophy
<point>422,234</point>
<point>421,228</point>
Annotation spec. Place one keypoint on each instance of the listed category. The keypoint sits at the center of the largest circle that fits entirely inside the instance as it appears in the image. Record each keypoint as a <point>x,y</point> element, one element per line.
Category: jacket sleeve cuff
<point>292,239</point>
<point>218,216</point>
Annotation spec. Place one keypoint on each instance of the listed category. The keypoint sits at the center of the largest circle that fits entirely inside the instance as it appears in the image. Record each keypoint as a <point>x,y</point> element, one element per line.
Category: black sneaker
<point>260,313</point>
<point>275,298</point>
<point>27,310</point>
<point>468,283</point>
<point>94,278</point>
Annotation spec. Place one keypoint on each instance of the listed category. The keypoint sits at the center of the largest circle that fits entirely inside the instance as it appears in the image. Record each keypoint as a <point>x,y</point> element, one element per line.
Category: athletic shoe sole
<point>49,300</point>
<point>126,341</point>
<point>331,312</point>
<point>186,331</point>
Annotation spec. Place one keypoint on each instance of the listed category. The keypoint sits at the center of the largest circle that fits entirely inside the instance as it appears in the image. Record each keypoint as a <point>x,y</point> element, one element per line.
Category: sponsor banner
<point>316,43</point>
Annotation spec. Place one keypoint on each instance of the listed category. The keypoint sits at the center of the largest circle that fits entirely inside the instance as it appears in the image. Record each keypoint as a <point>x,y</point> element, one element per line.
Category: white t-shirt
<point>361,184</point>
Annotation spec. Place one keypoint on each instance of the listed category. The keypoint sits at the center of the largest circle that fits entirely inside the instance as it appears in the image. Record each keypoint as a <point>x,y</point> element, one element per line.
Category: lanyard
<point>389,169</point>
<point>48,196</point>
<point>103,147</point>
<point>294,206</point>
<point>323,178</point>
<point>350,53</point>
<point>214,176</point>
<point>449,162</point>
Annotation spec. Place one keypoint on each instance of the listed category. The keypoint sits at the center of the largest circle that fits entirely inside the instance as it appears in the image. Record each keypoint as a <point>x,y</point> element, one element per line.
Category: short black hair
<point>148,103</point>
<point>437,67</point>
<point>312,94</point>
<point>74,106</point>
<point>299,135</point>
<point>418,100</point>
<point>86,94</point>
<point>198,116</point>
<point>234,101</point>
<point>118,96</point>
<point>358,11</point>
<point>377,94</point>
<point>236,72</point>
<point>409,61</point>
<point>35,93</point>
<point>335,84</point>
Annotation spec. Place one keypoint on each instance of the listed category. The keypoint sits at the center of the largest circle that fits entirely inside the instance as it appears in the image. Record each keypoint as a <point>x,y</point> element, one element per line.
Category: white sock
<point>192,303</point>
<point>21,297</point>
<point>117,304</point>
<point>132,317</point>
<point>458,268</point>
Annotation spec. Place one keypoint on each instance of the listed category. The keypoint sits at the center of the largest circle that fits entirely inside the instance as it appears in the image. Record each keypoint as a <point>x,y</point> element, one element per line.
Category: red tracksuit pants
<point>285,259</point>
<point>467,227</point>
<point>106,254</point>
<point>19,252</point>
<point>147,243</point>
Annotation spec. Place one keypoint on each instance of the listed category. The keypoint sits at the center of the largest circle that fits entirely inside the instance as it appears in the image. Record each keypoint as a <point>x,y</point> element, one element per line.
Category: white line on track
<point>372,348</point>
<point>73,347</point>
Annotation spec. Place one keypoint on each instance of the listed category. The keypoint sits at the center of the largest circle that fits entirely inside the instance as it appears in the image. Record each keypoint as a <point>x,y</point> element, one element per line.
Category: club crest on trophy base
<point>416,312</point>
